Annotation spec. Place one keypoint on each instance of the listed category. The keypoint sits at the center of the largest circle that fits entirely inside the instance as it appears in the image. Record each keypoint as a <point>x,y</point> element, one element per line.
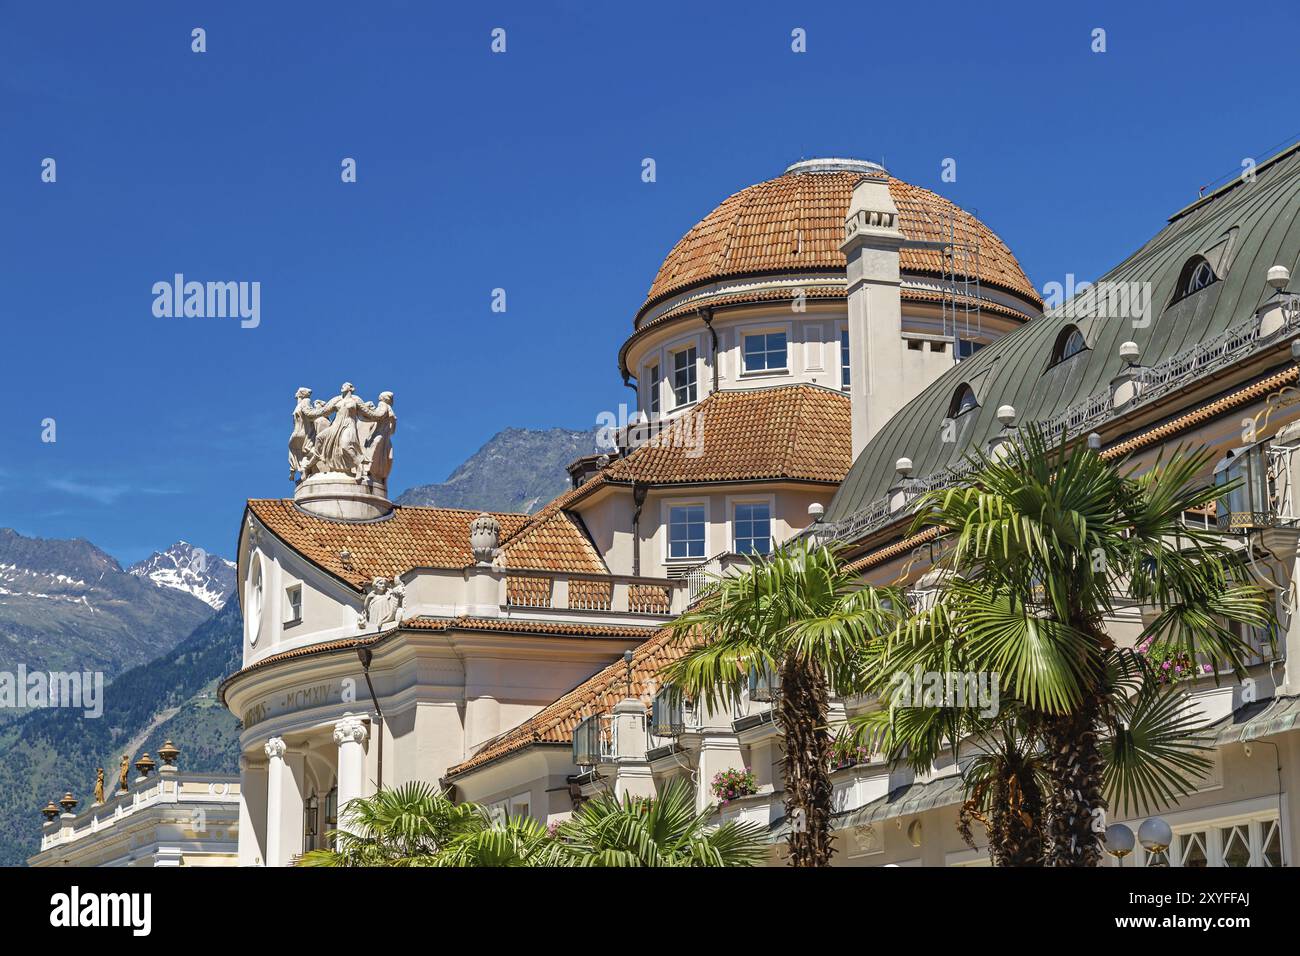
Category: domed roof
<point>795,223</point>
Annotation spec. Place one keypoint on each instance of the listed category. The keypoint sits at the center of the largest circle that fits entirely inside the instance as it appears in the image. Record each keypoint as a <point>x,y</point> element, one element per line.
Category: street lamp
<point>1155,835</point>
<point>1119,841</point>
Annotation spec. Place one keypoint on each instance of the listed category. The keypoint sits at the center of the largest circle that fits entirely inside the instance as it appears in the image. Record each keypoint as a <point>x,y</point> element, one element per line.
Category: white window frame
<point>654,388</point>
<point>671,355</point>
<point>525,800</point>
<point>766,329</point>
<point>733,500</point>
<point>288,602</point>
<point>1255,820</point>
<point>665,516</point>
<point>841,330</point>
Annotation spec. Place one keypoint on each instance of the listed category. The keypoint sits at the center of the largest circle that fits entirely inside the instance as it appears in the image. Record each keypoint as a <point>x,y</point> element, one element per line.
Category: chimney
<point>872,238</point>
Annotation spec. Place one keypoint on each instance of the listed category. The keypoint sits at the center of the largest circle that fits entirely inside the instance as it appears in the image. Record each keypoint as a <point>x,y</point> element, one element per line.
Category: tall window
<point>753,526</point>
<point>684,384</point>
<point>686,532</point>
<point>293,601</point>
<point>765,351</point>
<point>844,358</point>
<point>653,396</point>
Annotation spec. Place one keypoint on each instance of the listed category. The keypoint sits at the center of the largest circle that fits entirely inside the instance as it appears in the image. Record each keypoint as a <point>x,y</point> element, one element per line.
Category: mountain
<point>192,570</point>
<point>47,752</point>
<point>519,470</point>
<point>65,605</point>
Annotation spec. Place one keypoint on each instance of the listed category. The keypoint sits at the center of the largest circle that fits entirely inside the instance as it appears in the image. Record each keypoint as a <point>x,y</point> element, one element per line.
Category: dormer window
<point>1068,344</point>
<point>1196,275</point>
<point>962,402</point>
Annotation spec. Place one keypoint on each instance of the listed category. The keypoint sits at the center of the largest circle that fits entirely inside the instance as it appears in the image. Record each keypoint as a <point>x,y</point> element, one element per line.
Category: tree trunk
<point>1017,820</point>
<point>1074,766</point>
<point>801,712</point>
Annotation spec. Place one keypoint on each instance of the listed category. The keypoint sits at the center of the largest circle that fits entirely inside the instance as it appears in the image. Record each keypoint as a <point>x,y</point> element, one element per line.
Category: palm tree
<point>408,825</point>
<point>513,842</point>
<point>800,616</point>
<point>660,831</point>
<point>1043,546</point>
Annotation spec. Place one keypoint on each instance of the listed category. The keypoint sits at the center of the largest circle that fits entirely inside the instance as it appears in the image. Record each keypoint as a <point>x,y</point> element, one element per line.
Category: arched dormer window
<point>1068,344</point>
<point>1196,275</point>
<point>963,401</point>
<point>253,604</point>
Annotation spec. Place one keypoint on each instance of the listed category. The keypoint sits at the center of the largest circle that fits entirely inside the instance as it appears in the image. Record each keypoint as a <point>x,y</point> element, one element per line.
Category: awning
<point>900,802</point>
<point>1259,719</point>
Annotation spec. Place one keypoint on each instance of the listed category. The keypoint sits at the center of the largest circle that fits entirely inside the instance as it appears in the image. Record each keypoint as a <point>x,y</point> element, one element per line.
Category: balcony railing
<point>540,590</point>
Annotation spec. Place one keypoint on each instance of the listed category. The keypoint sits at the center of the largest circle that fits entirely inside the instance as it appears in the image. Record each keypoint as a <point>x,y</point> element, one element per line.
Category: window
<point>753,528</point>
<point>765,351</point>
<point>1253,841</point>
<point>966,348</point>
<point>293,601</point>
<point>1196,275</point>
<point>686,532</point>
<point>962,402</point>
<point>844,359</point>
<point>653,395</point>
<point>1068,344</point>
<point>684,383</point>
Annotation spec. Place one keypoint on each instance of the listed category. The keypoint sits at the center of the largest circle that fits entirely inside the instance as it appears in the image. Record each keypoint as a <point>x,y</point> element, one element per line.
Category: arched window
<point>1196,275</point>
<point>962,401</point>
<point>1068,344</point>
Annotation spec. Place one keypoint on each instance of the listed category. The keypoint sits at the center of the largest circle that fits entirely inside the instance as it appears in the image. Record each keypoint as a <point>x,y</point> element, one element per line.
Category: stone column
<point>283,803</point>
<point>350,735</point>
<point>252,812</point>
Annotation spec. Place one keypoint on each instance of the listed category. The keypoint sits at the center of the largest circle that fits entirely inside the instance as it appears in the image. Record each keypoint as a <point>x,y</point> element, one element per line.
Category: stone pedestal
<point>342,497</point>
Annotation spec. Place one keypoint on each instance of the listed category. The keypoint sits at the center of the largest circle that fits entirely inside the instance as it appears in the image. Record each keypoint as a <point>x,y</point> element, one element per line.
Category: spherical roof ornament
<point>903,466</point>
<point>1007,415</point>
<point>1130,352</point>
<point>1278,277</point>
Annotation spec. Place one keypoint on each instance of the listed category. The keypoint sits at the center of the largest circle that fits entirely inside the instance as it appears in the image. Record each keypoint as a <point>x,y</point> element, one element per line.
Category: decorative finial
<point>68,803</point>
<point>484,538</point>
<point>145,765</point>
<point>169,752</point>
<point>49,811</point>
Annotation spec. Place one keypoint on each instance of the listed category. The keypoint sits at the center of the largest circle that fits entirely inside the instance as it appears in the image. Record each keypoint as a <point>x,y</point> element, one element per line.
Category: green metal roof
<point>1242,230</point>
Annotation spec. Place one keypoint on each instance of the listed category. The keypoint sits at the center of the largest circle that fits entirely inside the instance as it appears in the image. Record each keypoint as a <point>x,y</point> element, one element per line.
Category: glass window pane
<point>1272,843</point>
<point>1236,846</point>
<point>684,376</point>
<point>1191,848</point>
<point>753,529</point>
<point>844,358</point>
<point>686,531</point>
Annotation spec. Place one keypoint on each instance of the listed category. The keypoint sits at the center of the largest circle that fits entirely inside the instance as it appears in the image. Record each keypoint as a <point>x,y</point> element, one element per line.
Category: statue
<point>383,604</point>
<point>99,784</point>
<point>302,443</point>
<point>379,443</point>
<point>357,441</point>
<point>123,770</point>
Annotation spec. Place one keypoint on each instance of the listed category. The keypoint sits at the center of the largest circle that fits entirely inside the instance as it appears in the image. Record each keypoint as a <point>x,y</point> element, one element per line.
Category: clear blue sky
<point>519,171</point>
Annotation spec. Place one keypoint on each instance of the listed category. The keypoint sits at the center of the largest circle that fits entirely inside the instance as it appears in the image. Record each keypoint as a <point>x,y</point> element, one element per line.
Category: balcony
<point>598,594</point>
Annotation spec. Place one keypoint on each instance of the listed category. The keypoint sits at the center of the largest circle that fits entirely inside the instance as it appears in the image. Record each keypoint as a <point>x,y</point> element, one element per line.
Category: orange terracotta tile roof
<point>598,694</point>
<point>413,537</point>
<point>796,223</point>
<point>799,432</point>
<point>463,623</point>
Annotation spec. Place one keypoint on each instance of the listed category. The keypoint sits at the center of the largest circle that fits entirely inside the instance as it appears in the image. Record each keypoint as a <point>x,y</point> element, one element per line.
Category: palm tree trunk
<point>1074,766</point>
<point>801,711</point>
<point>1017,819</point>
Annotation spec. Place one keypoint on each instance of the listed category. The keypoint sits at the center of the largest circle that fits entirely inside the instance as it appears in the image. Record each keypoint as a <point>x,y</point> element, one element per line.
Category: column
<point>252,811</point>
<point>350,735</point>
<point>283,803</point>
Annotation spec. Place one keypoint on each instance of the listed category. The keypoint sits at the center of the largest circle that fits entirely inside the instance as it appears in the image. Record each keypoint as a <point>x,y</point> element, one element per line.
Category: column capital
<point>350,729</point>
<point>276,747</point>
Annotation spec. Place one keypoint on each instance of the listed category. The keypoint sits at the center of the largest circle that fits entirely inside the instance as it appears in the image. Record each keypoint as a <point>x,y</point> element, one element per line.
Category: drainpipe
<point>638,498</point>
<point>706,316</point>
<point>366,655</point>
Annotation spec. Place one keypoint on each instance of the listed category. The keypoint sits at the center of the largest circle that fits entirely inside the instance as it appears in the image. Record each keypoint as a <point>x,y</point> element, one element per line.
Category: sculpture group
<point>358,441</point>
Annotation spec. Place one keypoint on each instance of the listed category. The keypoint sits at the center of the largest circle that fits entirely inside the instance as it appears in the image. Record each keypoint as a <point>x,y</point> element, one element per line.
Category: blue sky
<point>518,171</point>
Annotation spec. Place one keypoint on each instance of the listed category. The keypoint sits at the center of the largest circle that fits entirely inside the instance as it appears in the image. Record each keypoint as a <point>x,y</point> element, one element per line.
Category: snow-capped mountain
<point>183,567</point>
